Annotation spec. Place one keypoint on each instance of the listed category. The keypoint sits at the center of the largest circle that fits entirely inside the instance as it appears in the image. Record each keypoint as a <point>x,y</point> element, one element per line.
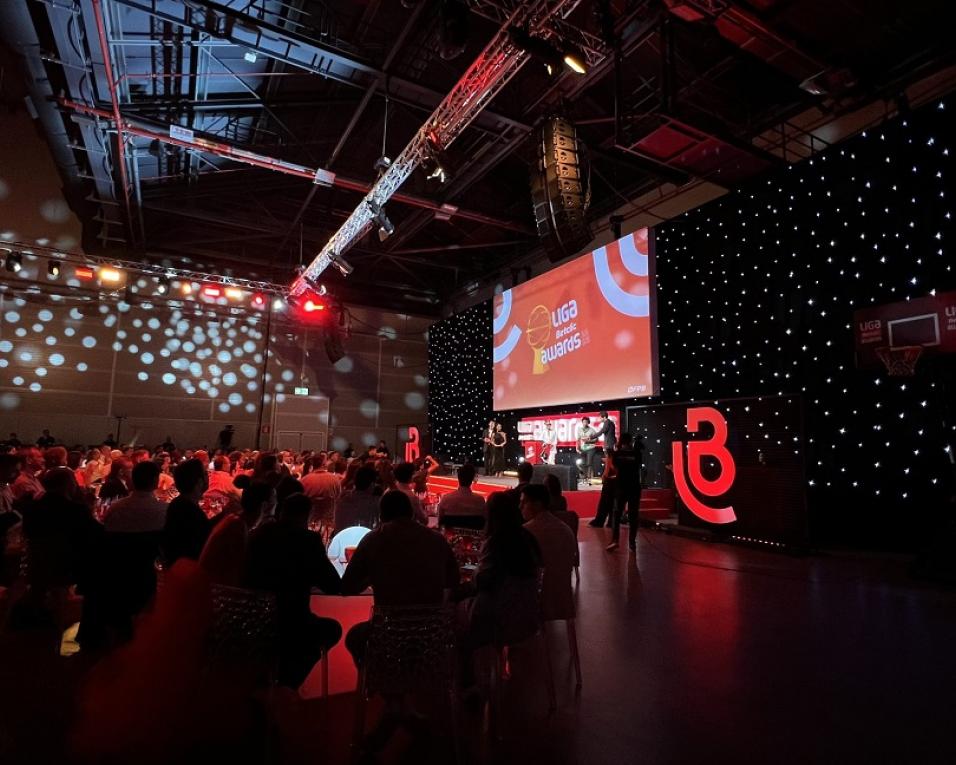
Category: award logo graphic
<point>716,448</point>
<point>538,335</point>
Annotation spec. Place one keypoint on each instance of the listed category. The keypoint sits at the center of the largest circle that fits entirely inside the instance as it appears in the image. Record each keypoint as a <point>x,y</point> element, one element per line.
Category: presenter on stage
<point>549,443</point>
<point>587,447</point>
<point>607,429</point>
<point>489,451</point>
<point>498,441</point>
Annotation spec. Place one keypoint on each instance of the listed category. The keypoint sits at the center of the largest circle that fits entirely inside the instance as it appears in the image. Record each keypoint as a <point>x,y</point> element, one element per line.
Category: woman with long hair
<point>505,607</point>
<point>498,441</point>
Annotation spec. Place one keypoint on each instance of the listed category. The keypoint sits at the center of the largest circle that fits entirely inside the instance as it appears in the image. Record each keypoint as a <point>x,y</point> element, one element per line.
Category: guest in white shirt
<point>140,511</point>
<point>462,507</point>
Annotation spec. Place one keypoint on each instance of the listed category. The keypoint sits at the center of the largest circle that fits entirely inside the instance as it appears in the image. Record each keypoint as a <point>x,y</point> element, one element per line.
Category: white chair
<point>343,544</point>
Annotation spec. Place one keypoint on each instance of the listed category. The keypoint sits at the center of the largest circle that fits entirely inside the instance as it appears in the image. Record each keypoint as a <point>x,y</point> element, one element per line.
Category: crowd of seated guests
<point>107,521</point>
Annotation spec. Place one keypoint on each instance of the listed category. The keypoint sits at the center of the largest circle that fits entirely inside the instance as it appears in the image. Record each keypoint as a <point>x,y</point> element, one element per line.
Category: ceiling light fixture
<point>14,262</point>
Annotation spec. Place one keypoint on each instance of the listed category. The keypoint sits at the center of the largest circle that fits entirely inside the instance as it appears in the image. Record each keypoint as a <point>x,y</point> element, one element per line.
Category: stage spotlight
<point>453,32</point>
<point>14,262</point>
<point>342,265</point>
<point>162,286</point>
<point>385,227</point>
<point>110,275</point>
<point>258,300</point>
<point>212,291</point>
<point>234,293</point>
<point>381,165</point>
<point>84,273</point>
<point>537,47</point>
<point>575,60</point>
<point>53,269</point>
<point>278,304</point>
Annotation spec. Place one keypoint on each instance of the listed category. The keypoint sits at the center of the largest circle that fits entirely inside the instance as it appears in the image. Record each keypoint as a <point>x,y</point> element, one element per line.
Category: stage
<point>656,503</point>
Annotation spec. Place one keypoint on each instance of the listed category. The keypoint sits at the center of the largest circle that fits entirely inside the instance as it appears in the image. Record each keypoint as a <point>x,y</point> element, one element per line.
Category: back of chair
<point>410,648</point>
<point>244,626</point>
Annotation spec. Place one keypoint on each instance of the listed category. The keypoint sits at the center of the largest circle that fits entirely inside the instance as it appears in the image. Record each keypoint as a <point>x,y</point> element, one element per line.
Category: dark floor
<point>699,653</point>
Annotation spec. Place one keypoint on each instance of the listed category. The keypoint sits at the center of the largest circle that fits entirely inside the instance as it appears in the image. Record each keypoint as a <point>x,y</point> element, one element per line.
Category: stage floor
<point>510,479</point>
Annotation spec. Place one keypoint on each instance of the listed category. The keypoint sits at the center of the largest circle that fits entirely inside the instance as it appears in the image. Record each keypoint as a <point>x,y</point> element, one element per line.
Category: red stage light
<point>258,300</point>
<point>85,273</point>
<point>311,305</point>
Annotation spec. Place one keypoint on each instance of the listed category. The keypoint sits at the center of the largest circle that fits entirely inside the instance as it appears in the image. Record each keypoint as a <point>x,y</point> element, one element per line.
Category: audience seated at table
<point>403,562</point>
<point>358,507</point>
<point>141,511</point>
<point>187,526</point>
<point>286,558</point>
<point>463,508</point>
<point>559,550</point>
<point>223,556</point>
<point>504,610</point>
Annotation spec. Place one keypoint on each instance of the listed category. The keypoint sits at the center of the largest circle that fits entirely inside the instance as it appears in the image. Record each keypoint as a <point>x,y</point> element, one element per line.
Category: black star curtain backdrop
<point>459,383</point>
<point>756,293</point>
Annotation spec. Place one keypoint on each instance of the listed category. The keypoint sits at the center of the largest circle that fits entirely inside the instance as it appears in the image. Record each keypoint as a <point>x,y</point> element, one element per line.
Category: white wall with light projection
<point>72,364</point>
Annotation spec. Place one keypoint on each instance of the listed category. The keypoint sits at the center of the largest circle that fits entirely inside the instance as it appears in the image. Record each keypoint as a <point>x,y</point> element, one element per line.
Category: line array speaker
<point>557,190</point>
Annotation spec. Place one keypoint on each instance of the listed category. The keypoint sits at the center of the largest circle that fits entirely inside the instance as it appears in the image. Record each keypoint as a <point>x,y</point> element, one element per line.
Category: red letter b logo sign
<point>715,447</point>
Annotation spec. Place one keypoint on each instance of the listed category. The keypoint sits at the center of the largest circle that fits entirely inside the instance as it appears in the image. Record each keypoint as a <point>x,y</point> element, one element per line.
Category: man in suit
<point>608,429</point>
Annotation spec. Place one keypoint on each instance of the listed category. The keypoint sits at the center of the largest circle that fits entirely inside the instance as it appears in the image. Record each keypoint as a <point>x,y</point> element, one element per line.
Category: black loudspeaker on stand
<point>558,190</point>
<point>567,475</point>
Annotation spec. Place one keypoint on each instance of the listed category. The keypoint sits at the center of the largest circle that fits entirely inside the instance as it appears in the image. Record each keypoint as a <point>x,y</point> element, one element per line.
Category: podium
<point>532,452</point>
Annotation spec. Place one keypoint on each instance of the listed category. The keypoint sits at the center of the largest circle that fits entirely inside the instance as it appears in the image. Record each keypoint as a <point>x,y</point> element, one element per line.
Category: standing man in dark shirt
<point>187,526</point>
<point>46,440</point>
<point>168,445</point>
<point>627,463</point>
<point>225,438</point>
<point>608,429</point>
<point>286,558</point>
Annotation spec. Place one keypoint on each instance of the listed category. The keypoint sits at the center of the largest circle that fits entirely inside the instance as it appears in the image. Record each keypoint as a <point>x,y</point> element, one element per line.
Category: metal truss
<point>147,269</point>
<point>483,80</point>
<point>594,48</point>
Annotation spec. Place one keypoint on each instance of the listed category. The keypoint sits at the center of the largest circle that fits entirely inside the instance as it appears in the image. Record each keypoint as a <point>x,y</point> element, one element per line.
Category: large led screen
<point>580,333</point>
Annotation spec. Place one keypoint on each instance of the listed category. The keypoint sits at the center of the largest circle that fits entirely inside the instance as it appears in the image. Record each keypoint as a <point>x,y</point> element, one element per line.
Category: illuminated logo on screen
<point>715,447</point>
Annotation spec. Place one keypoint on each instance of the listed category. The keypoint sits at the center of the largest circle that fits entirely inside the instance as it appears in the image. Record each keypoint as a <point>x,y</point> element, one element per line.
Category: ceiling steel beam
<point>295,49</point>
<point>320,176</point>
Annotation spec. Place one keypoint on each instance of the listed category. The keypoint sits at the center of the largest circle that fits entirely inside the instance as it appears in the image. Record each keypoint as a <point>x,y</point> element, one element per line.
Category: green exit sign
<point>302,391</point>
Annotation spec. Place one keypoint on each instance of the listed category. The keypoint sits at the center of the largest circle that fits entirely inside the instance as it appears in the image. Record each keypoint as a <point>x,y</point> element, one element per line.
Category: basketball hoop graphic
<point>538,335</point>
<point>900,361</point>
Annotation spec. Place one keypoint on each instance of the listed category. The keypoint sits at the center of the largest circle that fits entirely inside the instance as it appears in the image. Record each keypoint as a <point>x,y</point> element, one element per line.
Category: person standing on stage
<point>550,442</point>
<point>627,463</point>
<point>607,429</point>
<point>498,441</point>
<point>489,449</point>
<point>587,447</point>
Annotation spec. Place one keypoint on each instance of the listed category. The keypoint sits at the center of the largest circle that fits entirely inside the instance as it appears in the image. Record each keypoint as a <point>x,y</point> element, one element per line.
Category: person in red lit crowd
<point>54,457</point>
<point>221,478</point>
<point>403,562</point>
<point>224,554</point>
<point>403,479</point>
<point>118,482</point>
<point>187,527</point>
<point>286,558</point>
<point>28,484</point>
<point>139,455</point>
